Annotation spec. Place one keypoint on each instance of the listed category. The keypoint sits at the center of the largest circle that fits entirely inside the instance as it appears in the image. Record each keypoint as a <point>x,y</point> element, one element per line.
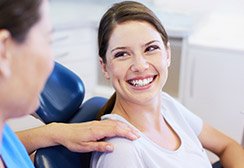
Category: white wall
<point>199,7</point>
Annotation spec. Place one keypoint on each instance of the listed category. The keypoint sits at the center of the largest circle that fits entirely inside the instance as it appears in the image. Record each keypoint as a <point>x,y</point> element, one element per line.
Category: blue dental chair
<point>62,101</point>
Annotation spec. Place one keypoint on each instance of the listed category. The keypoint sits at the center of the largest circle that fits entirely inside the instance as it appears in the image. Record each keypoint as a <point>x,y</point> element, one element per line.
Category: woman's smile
<point>139,82</point>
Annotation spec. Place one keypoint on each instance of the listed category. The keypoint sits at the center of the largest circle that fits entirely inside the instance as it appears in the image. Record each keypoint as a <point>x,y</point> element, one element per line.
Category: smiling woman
<point>142,64</point>
<point>135,55</point>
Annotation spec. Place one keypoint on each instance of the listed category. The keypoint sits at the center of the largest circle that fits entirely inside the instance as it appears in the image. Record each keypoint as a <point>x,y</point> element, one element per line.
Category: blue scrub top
<point>13,152</point>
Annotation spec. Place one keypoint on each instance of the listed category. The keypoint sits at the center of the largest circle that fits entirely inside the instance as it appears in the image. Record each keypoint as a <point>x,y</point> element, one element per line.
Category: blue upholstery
<point>217,165</point>
<point>58,157</point>
<point>61,101</point>
<point>89,109</point>
<point>62,95</point>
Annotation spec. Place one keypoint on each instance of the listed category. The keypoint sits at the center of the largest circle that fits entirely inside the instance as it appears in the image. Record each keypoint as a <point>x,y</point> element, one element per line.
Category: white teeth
<point>141,82</point>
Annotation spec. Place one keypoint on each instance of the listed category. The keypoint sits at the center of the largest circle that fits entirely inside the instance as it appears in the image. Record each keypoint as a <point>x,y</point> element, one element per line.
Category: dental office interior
<point>207,68</point>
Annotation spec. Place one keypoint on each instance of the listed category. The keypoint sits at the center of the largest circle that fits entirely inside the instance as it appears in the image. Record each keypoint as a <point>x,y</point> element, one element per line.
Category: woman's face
<point>137,61</point>
<point>31,64</point>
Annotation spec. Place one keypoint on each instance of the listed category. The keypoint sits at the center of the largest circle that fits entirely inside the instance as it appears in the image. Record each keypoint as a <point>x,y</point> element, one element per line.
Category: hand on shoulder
<point>86,137</point>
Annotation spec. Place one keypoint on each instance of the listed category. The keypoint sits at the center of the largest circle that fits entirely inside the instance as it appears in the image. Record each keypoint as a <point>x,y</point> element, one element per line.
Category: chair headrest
<point>62,95</point>
<point>89,110</point>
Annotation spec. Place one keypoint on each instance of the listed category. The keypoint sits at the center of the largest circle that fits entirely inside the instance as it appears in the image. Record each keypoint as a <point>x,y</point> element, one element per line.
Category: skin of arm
<point>80,137</point>
<point>231,153</point>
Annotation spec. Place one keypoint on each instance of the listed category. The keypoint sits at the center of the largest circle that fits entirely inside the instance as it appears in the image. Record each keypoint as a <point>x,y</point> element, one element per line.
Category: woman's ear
<point>168,51</point>
<point>4,55</point>
<point>104,68</point>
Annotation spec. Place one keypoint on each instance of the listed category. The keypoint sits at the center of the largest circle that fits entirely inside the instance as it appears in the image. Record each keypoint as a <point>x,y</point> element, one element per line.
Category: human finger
<point>111,128</point>
<point>100,146</point>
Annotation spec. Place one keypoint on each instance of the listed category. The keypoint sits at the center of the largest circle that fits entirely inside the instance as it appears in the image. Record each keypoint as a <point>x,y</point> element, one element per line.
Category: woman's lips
<point>141,82</point>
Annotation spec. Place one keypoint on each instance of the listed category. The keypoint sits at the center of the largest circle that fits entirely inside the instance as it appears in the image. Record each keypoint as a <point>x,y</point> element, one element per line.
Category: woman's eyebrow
<point>118,48</point>
<point>122,48</point>
<point>150,42</point>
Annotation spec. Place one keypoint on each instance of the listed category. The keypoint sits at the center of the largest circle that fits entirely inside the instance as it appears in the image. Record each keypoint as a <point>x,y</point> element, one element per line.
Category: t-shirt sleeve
<point>124,155</point>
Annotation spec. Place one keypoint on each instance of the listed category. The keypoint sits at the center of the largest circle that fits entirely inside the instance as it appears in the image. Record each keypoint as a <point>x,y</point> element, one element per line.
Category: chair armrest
<point>59,157</point>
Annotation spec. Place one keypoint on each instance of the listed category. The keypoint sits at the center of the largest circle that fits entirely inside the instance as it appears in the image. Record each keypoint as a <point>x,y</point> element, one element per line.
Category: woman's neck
<point>147,117</point>
<point>144,116</point>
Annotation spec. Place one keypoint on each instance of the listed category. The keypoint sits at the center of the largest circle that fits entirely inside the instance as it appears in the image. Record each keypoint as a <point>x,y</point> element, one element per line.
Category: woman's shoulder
<point>125,154</point>
<point>123,145</point>
<point>120,144</point>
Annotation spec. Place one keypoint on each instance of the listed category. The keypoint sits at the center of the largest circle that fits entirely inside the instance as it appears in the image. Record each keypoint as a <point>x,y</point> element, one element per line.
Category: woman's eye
<point>152,48</point>
<point>120,54</point>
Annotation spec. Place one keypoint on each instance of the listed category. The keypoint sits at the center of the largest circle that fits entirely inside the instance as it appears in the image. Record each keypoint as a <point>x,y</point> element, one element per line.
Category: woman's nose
<point>139,64</point>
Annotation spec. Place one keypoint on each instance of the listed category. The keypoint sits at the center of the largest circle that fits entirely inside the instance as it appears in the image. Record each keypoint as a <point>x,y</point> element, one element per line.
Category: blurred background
<point>207,41</point>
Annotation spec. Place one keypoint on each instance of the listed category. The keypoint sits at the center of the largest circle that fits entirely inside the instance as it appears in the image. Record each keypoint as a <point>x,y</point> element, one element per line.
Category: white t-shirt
<point>144,153</point>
